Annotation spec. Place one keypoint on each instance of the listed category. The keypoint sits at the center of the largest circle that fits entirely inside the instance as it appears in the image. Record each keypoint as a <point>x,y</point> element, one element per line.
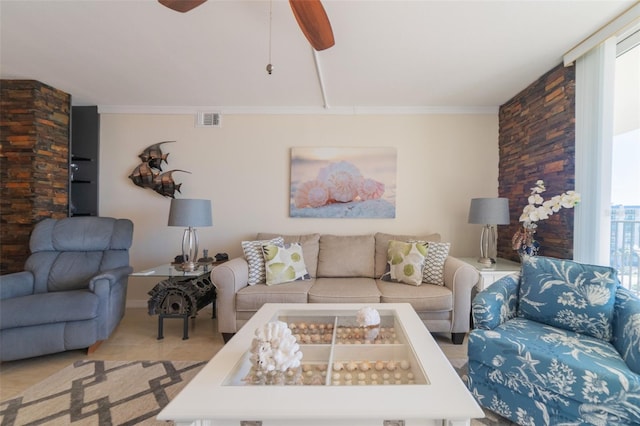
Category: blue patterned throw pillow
<point>568,295</point>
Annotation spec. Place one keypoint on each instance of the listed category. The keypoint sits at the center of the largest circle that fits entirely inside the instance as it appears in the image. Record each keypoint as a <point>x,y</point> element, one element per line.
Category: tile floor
<point>136,339</point>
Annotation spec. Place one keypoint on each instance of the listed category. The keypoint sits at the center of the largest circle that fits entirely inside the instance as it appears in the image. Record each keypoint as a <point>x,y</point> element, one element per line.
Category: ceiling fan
<point>310,14</point>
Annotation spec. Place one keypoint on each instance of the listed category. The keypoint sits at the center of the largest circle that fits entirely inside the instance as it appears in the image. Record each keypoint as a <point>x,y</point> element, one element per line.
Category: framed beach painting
<point>343,182</point>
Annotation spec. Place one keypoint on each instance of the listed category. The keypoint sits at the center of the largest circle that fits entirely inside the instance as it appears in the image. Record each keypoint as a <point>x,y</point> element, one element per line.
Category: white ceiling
<point>389,54</point>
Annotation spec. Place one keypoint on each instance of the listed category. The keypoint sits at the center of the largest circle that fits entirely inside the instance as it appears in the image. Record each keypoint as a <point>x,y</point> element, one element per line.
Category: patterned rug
<point>101,393</point>
<point>122,393</point>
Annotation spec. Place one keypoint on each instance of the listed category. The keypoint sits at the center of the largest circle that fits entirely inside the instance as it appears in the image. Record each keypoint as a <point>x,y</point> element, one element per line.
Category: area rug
<point>93,392</point>
<point>461,365</point>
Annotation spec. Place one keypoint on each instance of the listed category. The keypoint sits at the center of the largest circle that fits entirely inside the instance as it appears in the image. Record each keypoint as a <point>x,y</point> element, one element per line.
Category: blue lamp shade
<point>190,213</point>
<point>489,211</point>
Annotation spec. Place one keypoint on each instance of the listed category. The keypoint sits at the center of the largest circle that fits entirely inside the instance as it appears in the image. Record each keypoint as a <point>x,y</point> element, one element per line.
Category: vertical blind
<point>595,72</point>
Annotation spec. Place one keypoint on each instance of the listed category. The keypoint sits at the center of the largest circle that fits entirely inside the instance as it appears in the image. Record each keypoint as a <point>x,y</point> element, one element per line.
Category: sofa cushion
<point>253,254</point>
<point>569,295</point>
<point>47,308</point>
<point>251,298</point>
<point>382,243</point>
<point>427,297</point>
<point>344,290</point>
<point>405,262</point>
<point>346,256</point>
<point>284,263</point>
<point>310,247</point>
<point>558,366</point>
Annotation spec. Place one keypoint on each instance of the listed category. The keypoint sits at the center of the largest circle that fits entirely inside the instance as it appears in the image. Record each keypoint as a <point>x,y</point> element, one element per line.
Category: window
<point>625,173</point>
<point>605,226</point>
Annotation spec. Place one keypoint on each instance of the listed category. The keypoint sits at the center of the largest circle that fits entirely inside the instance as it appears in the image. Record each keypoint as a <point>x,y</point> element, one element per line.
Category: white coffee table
<point>218,396</point>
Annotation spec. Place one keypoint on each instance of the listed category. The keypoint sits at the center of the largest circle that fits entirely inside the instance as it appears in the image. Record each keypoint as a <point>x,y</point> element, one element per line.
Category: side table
<point>180,294</point>
<point>492,273</point>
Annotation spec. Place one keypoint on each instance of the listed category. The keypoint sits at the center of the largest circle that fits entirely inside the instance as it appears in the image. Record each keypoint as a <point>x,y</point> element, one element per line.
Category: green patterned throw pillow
<point>284,263</point>
<point>405,262</point>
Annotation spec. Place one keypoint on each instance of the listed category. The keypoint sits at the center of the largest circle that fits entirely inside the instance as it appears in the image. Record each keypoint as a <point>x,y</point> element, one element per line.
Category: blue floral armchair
<point>558,343</point>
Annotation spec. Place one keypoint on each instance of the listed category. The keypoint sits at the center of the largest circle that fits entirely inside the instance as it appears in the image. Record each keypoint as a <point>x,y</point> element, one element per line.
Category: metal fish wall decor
<point>153,155</point>
<point>148,173</point>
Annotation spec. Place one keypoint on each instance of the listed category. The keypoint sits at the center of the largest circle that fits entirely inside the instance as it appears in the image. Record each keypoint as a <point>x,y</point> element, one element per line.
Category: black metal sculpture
<point>147,174</point>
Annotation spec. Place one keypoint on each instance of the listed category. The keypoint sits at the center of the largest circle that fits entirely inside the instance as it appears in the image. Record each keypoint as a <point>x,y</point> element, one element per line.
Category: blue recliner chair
<point>557,344</point>
<point>72,292</point>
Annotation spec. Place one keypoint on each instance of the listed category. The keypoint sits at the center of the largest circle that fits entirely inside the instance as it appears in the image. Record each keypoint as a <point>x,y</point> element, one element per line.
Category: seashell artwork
<point>342,179</point>
<point>370,189</point>
<point>343,182</point>
<point>312,193</point>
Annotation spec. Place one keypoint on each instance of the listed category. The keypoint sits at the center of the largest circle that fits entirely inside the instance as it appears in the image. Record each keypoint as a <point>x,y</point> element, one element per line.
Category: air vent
<point>209,119</point>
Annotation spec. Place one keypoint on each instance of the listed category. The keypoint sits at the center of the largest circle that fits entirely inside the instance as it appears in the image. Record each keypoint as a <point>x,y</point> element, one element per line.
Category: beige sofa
<point>347,269</point>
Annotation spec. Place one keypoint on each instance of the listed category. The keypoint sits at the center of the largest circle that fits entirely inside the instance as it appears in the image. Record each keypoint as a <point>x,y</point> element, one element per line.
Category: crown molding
<point>355,110</point>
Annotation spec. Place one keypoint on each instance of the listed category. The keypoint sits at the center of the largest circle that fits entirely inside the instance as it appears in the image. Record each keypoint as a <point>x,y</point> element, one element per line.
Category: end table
<point>180,295</point>
<point>492,273</point>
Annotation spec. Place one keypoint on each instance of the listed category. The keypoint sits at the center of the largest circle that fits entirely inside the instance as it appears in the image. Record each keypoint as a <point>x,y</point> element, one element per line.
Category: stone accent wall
<point>537,141</point>
<point>34,164</point>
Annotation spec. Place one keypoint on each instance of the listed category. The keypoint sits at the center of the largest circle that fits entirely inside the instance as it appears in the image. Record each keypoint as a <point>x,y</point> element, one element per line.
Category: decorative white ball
<point>368,316</point>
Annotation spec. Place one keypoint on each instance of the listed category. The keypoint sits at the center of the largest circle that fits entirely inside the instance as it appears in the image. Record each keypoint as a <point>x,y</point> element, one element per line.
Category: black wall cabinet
<point>83,173</point>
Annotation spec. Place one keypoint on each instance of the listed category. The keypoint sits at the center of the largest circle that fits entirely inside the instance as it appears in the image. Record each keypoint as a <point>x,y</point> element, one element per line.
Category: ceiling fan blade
<point>313,22</point>
<point>181,5</point>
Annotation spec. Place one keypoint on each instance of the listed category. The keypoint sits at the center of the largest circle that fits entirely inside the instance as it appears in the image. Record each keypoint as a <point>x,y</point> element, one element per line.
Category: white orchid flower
<point>539,188</point>
<point>543,213</point>
<point>535,199</point>
<point>538,209</point>
<point>570,199</point>
<point>554,204</point>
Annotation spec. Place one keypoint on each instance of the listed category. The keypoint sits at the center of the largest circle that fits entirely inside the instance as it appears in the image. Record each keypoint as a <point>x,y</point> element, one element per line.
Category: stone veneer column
<point>537,141</point>
<point>34,164</point>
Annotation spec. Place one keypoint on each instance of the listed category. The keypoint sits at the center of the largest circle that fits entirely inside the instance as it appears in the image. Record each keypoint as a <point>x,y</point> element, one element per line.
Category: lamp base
<point>188,266</point>
<point>486,261</point>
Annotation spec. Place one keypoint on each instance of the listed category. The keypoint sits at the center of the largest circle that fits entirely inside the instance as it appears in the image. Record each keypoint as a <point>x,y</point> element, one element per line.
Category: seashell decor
<point>274,348</point>
<point>367,317</point>
<point>338,182</point>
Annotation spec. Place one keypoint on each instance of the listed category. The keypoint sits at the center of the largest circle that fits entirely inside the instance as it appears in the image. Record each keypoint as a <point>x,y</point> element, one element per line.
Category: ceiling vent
<point>209,119</point>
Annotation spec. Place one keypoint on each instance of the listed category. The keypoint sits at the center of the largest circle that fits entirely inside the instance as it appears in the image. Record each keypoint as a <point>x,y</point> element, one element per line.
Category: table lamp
<point>190,213</point>
<point>489,212</point>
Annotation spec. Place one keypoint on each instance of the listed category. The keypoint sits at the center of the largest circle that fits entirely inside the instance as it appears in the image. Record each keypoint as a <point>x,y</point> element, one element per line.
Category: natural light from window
<point>625,179</point>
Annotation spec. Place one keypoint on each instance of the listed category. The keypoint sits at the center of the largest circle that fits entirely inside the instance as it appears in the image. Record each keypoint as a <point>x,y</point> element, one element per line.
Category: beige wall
<point>243,167</point>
